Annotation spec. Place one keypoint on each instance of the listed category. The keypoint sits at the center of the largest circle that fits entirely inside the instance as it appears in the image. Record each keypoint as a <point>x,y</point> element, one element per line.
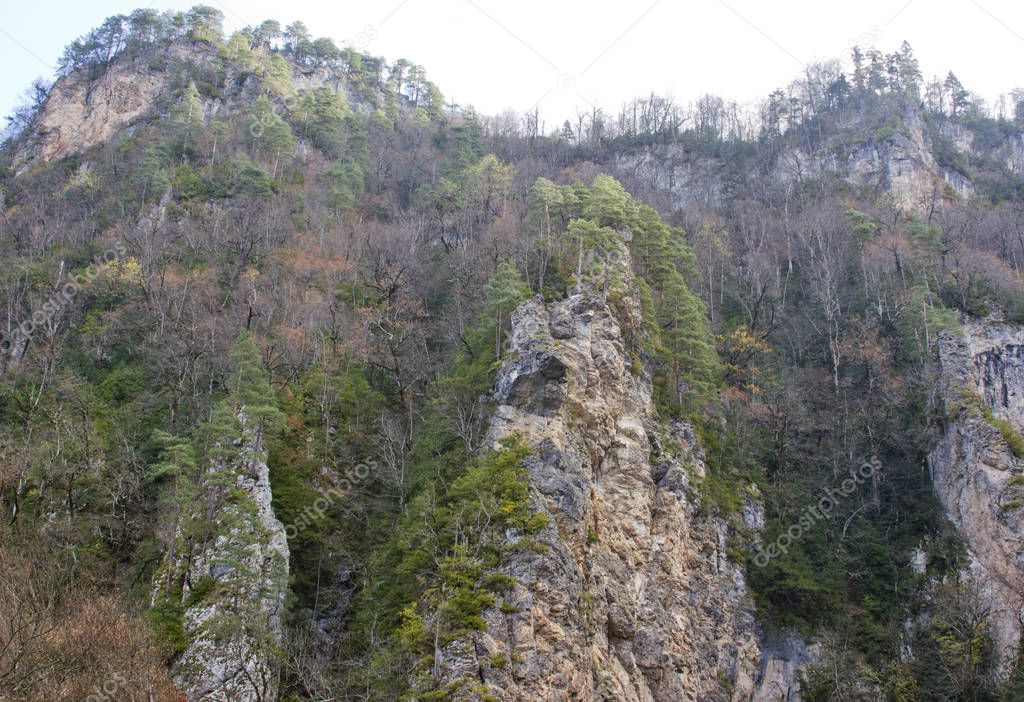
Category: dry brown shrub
<point>60,644</point>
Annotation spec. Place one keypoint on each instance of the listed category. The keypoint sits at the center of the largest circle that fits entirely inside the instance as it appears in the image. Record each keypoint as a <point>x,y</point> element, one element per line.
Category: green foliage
<point>462,144</point>
<point>186,121</point>
<point>252,180</point>
<point>331,421</point>
<point>454,543</point>
<point>249,387</point>
<point>151,176</point>
<point>384,344</point>
<point>948,156</point>
<point>344,183</point>
<point>202,590</point>
<point>730,476</point>
<point>682,340</point>
<point>504,292</point>
<point>607,204</point>
<point>594,221</point>
<point>271,135</point>
<point>204,24</point>
<point>1013,438</point>
<point>167,618</point>
<point>923,320</point>
<point>452,538</point>
<point>177,457</point>
<point>686,350</point>
<point>321,115</point>
<point>864,226</point>
<point>593,243</point>
<point>953,649</point>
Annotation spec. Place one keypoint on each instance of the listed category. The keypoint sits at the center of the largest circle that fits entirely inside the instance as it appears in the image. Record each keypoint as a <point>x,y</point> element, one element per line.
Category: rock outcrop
<point>976,475</point>
<point>87,108</point>
<point>902,164</point>
<point>228,572</point>
<point>82,111</point>
<point>784,658</point>
<point>632,596</point>
<point>896,161</point>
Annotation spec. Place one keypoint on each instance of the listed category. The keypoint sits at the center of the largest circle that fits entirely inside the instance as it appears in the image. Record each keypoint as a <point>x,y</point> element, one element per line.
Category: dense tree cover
<point>592,221</point>
<point>344,261</point>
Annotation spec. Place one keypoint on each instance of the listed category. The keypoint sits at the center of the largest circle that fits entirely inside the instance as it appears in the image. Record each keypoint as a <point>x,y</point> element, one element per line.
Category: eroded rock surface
<point>231,577</point>
<point>632,596</point>
<point>81,113</point>
<point>976,475</point>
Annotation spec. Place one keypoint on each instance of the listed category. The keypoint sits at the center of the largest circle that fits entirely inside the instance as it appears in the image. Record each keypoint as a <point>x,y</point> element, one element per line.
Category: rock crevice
<point>631,596</point>
<point>976,475</point>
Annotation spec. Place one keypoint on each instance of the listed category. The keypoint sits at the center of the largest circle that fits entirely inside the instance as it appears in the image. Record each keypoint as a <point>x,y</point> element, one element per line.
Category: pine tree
<point>591,242</point>
<point>249,390</point>
<point>959,98</point>
<point>187,119</point>
<point>909,72</point>
<point>608,204</point>
<point>345,184</point>
<point>858,69</point>
<point>270,134</point>
<point>505,290</point>
<point>205,24</point>
<point>322,114</point>
<point>176,465</point>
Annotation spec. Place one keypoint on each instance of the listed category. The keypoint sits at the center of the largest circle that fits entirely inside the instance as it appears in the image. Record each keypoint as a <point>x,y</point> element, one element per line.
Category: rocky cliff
<point>632,596</point>
<point>86,109</point>
<point>228,574</point>
<point>976,474</point>
<point>897,160</point>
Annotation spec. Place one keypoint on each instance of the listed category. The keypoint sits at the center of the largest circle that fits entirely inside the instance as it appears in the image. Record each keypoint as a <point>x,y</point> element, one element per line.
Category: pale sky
<point>567,55</point>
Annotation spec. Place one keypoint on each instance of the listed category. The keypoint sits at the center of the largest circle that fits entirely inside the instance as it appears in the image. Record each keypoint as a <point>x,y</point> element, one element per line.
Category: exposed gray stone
<point>973,469</point>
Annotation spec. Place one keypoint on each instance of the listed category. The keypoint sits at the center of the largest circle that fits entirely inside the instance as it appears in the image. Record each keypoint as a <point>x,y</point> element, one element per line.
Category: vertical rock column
<point>976,475</point>
<point>230,575</point>
<point>632,596</point>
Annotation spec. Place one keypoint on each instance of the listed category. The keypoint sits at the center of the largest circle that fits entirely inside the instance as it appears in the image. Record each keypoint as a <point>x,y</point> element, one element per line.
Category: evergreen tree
<point>187,120</point>
<point>321,114</point>
<point>345,185</point>
<point>205,24</point>
<point>959,98</point>
<point>859,81</point>
<point>249,389</point>
<point>504,291</point>
<point>270,134</point>
<point>909,72</point>
<point>876,73</point>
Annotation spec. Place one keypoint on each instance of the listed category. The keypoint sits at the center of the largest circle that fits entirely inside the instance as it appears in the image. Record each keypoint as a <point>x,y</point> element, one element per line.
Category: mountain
<point>313,386</point>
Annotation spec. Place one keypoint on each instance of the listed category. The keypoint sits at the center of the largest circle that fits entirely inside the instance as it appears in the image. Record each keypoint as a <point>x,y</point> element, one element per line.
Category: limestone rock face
<point>897,162</point>
<point>232,586</point>
<point>904,165</point>
<point>975,474</point>
<point>632,596</point>
<point>80,113</point>
<point>783,660</point>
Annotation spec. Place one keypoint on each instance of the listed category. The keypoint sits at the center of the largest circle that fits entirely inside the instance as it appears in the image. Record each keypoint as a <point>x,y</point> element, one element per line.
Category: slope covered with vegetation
<point>317,222</point>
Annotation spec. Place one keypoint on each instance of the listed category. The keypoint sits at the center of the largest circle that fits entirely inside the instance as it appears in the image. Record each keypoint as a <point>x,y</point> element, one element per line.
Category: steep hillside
<point>315,387</point>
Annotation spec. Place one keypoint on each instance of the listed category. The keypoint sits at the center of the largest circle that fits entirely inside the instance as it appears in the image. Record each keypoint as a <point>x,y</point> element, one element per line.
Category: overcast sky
<point>564,55</point>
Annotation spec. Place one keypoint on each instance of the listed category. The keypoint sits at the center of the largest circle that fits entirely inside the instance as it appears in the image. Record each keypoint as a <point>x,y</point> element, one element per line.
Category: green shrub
<point>167,618</point>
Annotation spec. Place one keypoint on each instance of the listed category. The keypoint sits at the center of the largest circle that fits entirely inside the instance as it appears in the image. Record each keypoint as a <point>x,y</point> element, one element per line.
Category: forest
<point>343,261</point>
